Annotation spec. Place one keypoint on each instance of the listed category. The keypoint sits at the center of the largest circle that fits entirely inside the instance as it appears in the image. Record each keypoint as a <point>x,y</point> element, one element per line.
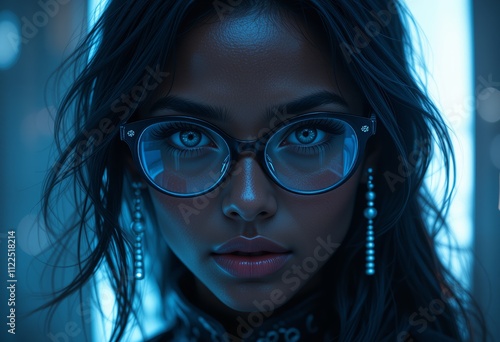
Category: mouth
<point>250,254</point>
<point>251,265</point>
<point>251,258</point>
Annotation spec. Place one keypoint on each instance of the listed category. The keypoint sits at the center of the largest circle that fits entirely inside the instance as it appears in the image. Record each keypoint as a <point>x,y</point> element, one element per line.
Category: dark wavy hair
<point>371,38</point>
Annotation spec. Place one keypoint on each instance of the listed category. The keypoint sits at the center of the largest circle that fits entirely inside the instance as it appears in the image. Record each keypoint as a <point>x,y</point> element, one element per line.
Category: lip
<point>268,257</point>
<point>250,245</point>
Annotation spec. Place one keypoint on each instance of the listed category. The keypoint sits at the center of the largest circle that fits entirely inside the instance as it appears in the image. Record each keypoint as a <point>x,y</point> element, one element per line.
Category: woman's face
<point>247,66</point>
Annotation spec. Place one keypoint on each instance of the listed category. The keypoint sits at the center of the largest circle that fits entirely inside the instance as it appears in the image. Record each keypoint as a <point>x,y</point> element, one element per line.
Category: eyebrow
<point>221,114</point>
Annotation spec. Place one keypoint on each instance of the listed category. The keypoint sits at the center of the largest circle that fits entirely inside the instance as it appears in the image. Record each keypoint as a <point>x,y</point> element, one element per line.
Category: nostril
<point>247,216</point>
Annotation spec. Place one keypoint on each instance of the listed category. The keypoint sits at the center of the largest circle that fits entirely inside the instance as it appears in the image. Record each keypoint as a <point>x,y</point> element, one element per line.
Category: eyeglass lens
<point>310,155</point>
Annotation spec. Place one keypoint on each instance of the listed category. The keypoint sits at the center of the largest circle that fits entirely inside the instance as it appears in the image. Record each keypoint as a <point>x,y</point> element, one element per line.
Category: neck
<point>231,319</point>
<point>200,315</point>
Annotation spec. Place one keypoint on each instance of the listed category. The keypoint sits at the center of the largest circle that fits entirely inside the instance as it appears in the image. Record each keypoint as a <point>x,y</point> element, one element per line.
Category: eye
<point>189,138</point>
<point>305,136</point>
<point>311,132</point>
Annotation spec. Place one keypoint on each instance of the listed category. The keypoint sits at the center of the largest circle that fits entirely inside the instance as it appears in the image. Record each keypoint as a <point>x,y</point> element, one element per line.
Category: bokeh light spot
<point>488,104</point>
<point>39,125</point>
<point>10,39</point>
<point>31,235</point>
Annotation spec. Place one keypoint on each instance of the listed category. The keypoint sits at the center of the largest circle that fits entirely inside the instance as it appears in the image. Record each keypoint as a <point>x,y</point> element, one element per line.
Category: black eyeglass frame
<point>363,127</point>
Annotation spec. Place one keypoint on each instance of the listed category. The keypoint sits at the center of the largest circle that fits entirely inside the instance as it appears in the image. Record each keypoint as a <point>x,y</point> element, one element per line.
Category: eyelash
<point>164,132</point>
<point>329,127</point>
<point>334,126</point>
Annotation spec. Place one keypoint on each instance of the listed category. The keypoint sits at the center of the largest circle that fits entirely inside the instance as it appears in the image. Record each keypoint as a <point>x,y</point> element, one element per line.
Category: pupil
<point>190,138</point>
<point>306,135</point>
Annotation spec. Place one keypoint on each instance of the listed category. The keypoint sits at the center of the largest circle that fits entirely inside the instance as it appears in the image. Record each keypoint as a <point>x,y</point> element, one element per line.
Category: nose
<point>250,194</point>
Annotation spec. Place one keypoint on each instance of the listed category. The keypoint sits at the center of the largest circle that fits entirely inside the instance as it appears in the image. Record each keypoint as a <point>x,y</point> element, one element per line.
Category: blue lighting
<point>449,59</point>
<point>10,39</point>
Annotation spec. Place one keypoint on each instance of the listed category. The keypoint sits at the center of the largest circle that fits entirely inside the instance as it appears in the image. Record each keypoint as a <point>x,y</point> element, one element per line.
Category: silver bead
<point>138,227</point>
<point>370,213</point>
<point>139,273</point>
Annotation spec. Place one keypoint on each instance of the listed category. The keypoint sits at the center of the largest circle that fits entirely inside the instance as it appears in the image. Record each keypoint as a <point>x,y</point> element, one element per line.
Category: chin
<point>254,297</point>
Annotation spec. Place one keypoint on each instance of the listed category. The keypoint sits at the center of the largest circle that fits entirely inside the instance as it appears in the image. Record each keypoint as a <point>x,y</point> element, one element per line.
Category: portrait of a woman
<point>243,159</point>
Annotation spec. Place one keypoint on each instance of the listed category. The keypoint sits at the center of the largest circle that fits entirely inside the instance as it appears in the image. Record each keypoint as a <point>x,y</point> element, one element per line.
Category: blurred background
<point>461,47</point>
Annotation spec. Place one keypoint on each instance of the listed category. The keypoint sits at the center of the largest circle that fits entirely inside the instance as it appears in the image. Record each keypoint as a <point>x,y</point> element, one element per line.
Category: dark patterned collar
<point>309,320</point>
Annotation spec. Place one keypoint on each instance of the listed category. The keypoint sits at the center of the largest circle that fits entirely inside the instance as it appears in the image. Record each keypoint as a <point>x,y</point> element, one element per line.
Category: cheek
<point>178,218</point>
<point>325,217</point>
<point>329,213</point>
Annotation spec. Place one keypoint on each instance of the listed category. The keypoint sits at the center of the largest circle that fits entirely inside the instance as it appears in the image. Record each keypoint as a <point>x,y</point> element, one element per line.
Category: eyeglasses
<point>309,154</point>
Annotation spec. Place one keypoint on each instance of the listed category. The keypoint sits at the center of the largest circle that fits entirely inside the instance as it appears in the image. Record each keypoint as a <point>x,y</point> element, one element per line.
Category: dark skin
<point>247,65</point>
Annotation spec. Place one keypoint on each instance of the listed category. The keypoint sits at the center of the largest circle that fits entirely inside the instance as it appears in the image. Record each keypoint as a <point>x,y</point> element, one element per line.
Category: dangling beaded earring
<point>370,213</point>
<point>138,227</point>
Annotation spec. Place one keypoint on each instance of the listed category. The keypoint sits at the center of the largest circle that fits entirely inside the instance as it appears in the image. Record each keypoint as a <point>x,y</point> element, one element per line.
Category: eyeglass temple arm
<point>373,119</point>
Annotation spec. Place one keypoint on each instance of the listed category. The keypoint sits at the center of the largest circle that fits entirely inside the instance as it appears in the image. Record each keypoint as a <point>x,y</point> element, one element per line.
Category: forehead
<point>251,63</point>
